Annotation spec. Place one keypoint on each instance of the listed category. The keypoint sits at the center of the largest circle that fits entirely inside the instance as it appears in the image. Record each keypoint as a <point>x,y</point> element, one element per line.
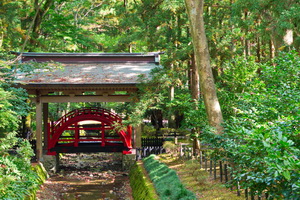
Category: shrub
<point>170,147</point>
<point>166,181</point>
<point>261,137</point>
<point>17,179</point>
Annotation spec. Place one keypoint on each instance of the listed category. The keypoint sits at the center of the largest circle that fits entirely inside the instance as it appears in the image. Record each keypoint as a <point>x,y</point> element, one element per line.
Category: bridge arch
<point>80,141</point>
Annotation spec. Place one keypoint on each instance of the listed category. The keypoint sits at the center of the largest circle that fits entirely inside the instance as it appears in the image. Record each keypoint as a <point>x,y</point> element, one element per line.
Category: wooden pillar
<point>38,133</point>
<point>138,136</point>
<point>45,120</point>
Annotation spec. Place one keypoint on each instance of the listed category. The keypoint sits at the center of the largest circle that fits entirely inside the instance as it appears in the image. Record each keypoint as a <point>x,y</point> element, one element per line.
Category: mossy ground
<point>198,180</point>
<point>142,187</point>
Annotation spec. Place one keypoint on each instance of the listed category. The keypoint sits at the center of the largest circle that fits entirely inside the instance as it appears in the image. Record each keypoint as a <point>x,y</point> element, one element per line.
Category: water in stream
<point>88,177</point>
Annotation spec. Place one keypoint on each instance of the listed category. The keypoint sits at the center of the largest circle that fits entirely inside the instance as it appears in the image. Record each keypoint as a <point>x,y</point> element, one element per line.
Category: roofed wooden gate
<point>82,77</point>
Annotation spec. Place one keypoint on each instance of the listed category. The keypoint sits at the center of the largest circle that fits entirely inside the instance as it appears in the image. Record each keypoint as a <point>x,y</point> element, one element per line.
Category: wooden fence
<point>153,145</point>
<point>146,151</point>
<point>219,169</point>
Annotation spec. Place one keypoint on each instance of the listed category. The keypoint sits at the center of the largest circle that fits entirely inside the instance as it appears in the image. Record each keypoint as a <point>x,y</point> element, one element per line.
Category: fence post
<point>246,193</point>
<point>145,152</point>
<point>266,195</point>
<point>215,169</point>
<point>252,195</point>
<point>201,158</point>
<point>226,173</point>
<point>238,189</point>
<point>205,158</point>
<point>221,172</point>
<point>137,156</point>
<point>210,166</point>
<point>230,177</point>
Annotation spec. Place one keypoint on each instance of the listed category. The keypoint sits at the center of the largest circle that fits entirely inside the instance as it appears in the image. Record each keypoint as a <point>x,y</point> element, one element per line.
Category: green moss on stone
<point>142,188</point>
<point>42,176</point>
<point>166,181</point>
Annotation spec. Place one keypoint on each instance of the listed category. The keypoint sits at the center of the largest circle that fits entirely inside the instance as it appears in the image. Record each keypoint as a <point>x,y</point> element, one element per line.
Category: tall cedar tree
<point>202,61</point>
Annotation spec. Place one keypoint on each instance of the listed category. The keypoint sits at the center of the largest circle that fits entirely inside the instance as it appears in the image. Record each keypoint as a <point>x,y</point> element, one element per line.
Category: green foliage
<point>8,122</point>
<point>166,181</point>
<point>154,94</point>
<point>142,188</point>
<point>195,118</point>
<point>170,147</point>
<point>17,179</point>
<point>148,130</point>
<point>265,159</point>
<point>255,97</point>
<point>261,138</point>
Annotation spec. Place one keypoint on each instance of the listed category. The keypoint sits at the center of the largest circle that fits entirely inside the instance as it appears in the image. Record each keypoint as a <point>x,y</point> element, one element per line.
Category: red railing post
<point>103,134</point>
<point>76,135</point>
<point>128,137</point>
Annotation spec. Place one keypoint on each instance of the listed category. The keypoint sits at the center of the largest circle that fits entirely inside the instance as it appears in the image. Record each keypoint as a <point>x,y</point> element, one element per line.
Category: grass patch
<point>198,180</point>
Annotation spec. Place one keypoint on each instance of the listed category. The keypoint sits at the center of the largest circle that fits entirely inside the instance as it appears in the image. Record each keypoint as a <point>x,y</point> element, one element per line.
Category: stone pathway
<point>88,176</point>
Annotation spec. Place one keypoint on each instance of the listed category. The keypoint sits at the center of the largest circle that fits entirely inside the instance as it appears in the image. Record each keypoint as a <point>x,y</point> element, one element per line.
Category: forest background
<point>254,53</point>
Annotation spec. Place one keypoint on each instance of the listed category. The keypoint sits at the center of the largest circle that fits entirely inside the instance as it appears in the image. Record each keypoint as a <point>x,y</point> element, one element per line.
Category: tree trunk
<point>195,91</point>
<point>171,115</point>
<point>40,13</point>
<point>202,60</point>
<point>258,49</point>
<point>157,119</point>
<point>272,49</point>
<point>1,38</point>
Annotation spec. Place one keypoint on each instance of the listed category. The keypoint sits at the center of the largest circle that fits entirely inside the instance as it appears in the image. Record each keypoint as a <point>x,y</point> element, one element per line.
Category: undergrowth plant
<point>262,135</point>
<point>17,179</point>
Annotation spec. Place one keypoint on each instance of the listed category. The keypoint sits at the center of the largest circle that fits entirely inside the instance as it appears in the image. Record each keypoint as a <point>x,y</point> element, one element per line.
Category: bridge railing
<point>86,111</point>
<point>71,121</point>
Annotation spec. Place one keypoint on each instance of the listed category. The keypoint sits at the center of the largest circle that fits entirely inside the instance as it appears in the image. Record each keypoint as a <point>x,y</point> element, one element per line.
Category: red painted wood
<point>107,119</point>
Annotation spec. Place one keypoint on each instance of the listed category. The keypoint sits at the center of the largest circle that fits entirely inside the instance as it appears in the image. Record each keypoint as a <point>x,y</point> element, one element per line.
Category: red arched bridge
<point>88,130</point>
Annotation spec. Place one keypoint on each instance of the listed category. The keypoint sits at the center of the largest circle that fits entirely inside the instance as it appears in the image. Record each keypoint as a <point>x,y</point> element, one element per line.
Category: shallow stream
<point>88,177</point>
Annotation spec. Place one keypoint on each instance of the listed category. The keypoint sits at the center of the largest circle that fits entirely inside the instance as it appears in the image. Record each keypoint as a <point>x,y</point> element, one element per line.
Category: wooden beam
<point>83,98</point>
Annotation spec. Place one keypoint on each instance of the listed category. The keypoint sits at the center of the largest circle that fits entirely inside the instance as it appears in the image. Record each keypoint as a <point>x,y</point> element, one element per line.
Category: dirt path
<point>86,177</point>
